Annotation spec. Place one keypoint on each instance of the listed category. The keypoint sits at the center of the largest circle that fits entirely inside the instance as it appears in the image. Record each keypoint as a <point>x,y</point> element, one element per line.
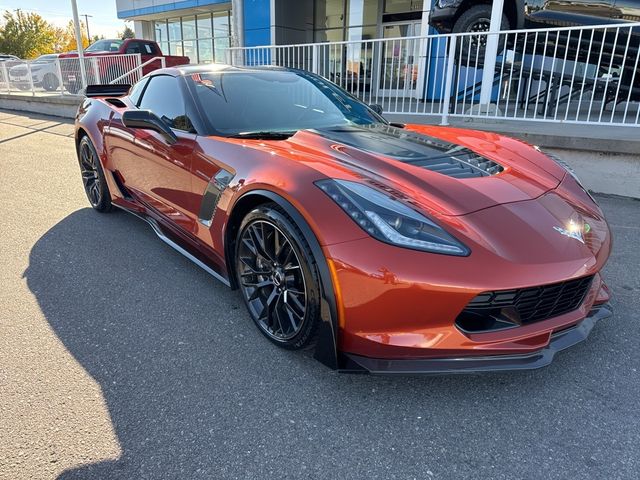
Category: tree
<point>126,33</point>
<point>67,38</point>
<point>26,35</point>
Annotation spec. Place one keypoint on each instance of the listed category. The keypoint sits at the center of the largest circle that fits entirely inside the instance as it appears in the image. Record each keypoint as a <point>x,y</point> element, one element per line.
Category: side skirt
<point>161,234</point>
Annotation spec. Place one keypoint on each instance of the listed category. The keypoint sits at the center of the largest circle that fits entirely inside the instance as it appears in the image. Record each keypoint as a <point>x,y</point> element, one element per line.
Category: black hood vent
<point>414,148</point>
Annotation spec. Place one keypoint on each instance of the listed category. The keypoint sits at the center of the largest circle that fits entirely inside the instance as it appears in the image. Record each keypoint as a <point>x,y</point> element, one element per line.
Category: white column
<point>491,52</point>
<point>237,26</point>
<point>144,29</point>
<point>423,53</point>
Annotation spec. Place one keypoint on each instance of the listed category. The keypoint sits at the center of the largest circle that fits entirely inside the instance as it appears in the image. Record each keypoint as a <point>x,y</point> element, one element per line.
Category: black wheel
<point>93,179</point>
<point>278,278</point>
<point>50,82</point>
<point>476,19</point>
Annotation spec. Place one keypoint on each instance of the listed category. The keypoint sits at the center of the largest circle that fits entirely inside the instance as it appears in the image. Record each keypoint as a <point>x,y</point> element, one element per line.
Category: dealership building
<point>203,29</point>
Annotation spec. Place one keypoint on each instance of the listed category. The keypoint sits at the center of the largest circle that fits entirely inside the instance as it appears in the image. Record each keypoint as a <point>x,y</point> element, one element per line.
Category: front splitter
<point>493,363</point>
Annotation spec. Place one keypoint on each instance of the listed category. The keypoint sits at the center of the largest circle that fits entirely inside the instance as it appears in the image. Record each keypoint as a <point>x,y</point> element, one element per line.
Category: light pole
<point>86,22</point>
<point>76,24</point>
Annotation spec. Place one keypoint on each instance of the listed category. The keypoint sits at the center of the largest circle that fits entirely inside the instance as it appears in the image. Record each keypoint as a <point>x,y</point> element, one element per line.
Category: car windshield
<point>105,46</point>
<point>246,102</point>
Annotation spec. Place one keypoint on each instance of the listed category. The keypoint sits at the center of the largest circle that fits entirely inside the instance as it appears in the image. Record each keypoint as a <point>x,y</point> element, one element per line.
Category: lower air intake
<point>501,309</point>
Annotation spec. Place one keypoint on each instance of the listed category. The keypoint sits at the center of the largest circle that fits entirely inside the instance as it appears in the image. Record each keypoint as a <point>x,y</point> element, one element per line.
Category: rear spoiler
<point>108,90</point>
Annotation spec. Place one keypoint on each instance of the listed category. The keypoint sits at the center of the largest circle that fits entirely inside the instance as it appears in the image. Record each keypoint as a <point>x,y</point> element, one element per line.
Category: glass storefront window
<point>160,29</point>
<point>335,35</point>
<point>194,36</point>
<point>175,48</point>
<point>402,6</point>
<point>205,29</point>
<point>362,12</point>
<point>175,31</point>
<point>221,24</point>
<point>205,51</point>
<point>221,44</point>
<point>189,50</point>
<point>329,13</point>
<point>188,28</point>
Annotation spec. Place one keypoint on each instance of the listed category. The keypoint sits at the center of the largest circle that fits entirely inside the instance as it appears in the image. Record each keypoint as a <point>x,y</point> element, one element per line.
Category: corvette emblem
<point>574,231</point>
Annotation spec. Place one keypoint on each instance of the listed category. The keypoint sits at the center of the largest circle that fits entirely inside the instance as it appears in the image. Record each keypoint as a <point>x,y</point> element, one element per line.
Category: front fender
<point>326,350</point>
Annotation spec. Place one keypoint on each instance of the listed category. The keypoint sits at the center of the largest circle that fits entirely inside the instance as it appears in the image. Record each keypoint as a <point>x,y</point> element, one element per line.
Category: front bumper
<point>530,361</point>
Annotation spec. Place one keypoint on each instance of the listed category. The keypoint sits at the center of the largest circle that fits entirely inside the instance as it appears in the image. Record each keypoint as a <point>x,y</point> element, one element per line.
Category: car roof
<point>183,70</point>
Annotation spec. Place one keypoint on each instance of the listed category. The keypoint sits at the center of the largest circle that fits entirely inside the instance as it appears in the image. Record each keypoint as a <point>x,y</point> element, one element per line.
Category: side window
<point>133,47</point>
<point>149,49</point>
<point>164,98</point>
<point>136,91</point>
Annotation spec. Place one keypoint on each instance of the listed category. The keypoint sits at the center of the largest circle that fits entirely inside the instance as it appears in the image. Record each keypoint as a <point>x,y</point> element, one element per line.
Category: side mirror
<point>148,120</point>
<point>376,108</point>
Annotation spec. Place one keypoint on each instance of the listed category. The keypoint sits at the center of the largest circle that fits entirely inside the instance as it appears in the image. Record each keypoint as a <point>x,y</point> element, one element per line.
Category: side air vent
<point>116,102</point>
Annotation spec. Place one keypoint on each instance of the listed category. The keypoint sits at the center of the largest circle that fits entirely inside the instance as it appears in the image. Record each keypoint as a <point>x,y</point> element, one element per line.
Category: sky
<point>104,21</point>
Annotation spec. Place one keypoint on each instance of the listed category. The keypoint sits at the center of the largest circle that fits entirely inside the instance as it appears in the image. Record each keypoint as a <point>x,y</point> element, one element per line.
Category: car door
<point>157,172</point>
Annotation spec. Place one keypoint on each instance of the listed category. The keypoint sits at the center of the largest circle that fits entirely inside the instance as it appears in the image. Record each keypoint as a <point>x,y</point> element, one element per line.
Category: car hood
<point>444,170</point>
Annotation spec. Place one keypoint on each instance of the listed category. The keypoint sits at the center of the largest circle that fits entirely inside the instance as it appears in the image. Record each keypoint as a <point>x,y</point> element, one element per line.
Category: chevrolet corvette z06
<point>387,248</point>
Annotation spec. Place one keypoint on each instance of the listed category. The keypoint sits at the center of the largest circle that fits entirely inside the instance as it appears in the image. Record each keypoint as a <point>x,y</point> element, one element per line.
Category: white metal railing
<point>135,74</point>
<point>585,75</point>
<point>63,75</point>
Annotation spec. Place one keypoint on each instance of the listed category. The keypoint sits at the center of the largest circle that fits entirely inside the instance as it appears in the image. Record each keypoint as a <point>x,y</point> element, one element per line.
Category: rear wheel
<point>278,277</point>
<point>95,185</point>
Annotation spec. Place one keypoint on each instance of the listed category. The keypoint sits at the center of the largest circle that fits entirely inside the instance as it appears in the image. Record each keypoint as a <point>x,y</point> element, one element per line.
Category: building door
<point>399,64</point>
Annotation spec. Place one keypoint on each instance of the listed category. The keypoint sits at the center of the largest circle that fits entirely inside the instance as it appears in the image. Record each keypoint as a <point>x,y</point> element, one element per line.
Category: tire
<point>476,19</point>
<point>93,179</point>
<point>50,82</point>
<point>278,277</point>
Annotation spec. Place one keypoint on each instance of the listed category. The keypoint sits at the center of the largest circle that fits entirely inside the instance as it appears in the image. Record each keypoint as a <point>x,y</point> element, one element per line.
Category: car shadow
<point>192,387</point>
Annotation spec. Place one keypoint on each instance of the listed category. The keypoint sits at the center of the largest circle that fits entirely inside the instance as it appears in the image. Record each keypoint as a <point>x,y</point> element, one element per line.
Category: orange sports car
<point>388,248</point>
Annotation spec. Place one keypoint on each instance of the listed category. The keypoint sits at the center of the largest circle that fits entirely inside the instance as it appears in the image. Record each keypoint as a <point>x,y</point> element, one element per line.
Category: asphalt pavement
<point>121,359</point>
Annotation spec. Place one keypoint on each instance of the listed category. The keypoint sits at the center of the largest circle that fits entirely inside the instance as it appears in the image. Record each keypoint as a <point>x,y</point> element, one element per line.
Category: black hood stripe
<point>416,149</point>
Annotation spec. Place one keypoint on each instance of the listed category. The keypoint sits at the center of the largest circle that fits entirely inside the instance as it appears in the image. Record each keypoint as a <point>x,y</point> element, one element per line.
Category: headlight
<point>390,221</point>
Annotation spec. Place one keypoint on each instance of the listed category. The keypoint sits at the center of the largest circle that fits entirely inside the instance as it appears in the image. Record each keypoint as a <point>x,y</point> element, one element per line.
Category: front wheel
<point>95,185</point>
<point>50,82</point>
<point>477,19</point>
<point>278,278</point>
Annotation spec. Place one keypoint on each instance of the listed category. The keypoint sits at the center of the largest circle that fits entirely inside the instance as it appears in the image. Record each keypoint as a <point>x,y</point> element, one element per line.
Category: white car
<point>44,72</point>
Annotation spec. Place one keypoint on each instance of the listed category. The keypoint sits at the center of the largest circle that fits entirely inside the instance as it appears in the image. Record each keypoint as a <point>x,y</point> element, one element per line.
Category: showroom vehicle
<point>44,74</point>
<point>459,16</point>
<point>385,247</point>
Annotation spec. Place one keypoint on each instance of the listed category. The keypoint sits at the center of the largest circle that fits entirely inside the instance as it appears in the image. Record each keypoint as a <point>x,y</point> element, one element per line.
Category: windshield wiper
<point>266,135</point>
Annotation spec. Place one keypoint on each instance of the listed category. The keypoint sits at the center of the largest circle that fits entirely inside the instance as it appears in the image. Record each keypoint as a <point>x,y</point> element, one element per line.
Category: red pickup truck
<point>107,60</point>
